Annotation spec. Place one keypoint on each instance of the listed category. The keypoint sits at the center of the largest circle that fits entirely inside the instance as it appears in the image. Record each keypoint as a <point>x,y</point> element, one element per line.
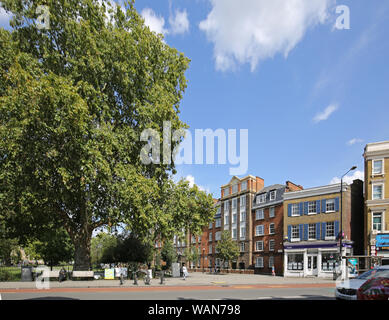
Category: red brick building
<point>267,217</point>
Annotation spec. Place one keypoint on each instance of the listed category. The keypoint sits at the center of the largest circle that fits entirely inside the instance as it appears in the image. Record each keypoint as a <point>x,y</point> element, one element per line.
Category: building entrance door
<point>312,265</point>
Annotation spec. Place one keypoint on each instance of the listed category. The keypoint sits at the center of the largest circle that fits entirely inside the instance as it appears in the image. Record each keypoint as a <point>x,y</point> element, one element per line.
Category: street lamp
<point>341,213</point>
<point>203,260</point>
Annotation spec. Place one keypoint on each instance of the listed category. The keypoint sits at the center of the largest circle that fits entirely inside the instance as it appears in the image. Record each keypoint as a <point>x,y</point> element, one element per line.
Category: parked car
<point>375,288</point>
<point>347,290</point>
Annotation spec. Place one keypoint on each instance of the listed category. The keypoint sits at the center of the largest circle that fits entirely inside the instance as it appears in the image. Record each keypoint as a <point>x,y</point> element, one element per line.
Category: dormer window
<point>272,195</point>
<point>261,198</point>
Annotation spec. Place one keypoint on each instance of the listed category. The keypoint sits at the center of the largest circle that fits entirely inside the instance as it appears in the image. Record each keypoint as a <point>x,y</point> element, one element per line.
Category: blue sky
<point>256,65</point>
<point>280,99</point>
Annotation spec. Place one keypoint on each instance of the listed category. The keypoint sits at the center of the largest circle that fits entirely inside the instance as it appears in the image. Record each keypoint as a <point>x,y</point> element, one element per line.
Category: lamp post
<point>203,260</point>
<point>341,214</point>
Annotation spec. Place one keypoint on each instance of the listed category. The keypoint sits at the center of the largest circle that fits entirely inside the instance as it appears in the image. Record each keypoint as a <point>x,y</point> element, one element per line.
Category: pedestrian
<point>273,271</point>
<point>62,275</point>
<point>121,274</point>
<point>184,271</point>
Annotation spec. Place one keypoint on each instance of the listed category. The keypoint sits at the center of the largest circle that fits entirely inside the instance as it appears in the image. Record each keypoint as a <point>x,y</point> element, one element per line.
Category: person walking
<point>184,271</point>
<point>273,271</point>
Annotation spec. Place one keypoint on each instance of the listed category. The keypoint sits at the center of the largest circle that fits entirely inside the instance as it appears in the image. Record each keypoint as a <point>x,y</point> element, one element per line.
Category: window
<point>377,167</point>
<point>312,231</point>
<point>271,245</point>
<point>243,232</point>
<point>271,261</point>
<point>242,216</point>
<point>210,249</point>
<point>218,212</point>
<point>218,223</point>
<point>218,236</point>
<point>271,212</point>
<point>210,236</point>
<point>234,233</point>
<point>377,221</point>
<point>242,201</point>
<point>272,228</point>
<point>259,262</point>
<point>295,261</point>
<point>193,239</point>
<point>234,203</point>
<point>272,195</point>
<point>243,186</point>
<point>259,214</point>
<point>261,198</point>
<point>199,240</point>
<point>226,191</point>
<point>259,246</point>
<point>330,229</point>
<point>329,261</point>
<point>295,233</point>
<point>259,230</point>
<point>242,247</point>
<point>378,191</point>
<point>234,188</point>
<point>295,210</point>
<point>226,219</point>
<point>312,207</point>
<point>330,205</point>
<point>233,220</point>
<point>210,225</point>
<point>226,206</point>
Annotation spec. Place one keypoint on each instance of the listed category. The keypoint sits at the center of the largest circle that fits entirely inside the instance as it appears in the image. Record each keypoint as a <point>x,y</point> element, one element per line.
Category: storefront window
<point>295,261</point>
<point>329,261</point>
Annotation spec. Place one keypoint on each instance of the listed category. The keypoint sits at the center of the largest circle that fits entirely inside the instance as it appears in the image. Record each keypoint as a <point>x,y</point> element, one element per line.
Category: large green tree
<point>54,246</point>
<point>227,249</point>
<point>74,100</point>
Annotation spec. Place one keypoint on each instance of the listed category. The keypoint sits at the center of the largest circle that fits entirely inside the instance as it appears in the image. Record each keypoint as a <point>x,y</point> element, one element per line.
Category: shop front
<point>382,247</point>
<point>313,260</point>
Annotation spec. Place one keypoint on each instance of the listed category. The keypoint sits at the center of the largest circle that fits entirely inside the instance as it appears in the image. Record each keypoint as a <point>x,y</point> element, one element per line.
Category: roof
<point>269,188</point>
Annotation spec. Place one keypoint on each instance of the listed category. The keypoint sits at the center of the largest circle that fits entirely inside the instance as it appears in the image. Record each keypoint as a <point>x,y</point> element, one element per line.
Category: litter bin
<point>26,274</point>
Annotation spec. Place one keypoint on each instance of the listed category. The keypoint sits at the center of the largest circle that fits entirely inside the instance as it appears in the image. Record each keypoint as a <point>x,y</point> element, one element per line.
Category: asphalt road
<point>242,292</point>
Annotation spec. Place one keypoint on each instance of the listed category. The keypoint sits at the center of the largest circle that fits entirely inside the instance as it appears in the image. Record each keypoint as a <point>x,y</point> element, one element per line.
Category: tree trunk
<point>82,256</point>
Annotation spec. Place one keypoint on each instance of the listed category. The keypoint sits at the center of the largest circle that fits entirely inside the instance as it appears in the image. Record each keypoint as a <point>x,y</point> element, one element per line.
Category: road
<point>236,292</point>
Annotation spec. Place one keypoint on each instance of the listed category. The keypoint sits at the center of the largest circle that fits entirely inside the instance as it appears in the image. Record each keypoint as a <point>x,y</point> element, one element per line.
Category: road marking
<point>243,287</point>
<point>278,286</point>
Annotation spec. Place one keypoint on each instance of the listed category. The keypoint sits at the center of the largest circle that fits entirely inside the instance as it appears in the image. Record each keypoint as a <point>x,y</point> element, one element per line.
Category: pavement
<point>195,279</point>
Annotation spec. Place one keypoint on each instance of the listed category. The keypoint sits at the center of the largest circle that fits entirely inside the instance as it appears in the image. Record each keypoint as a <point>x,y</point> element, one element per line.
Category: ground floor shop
<point>313,260</point>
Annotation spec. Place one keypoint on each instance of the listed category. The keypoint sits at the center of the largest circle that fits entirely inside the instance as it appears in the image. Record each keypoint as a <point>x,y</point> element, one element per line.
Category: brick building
<point>376,157</point>
<point>312,226</point>
<point>268,216</point>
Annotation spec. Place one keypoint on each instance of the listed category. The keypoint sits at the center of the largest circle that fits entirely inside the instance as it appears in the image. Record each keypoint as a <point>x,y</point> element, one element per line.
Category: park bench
<point>82,275</point>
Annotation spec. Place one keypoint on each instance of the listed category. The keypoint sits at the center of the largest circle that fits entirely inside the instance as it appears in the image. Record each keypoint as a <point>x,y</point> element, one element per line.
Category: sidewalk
<point>194,279</point>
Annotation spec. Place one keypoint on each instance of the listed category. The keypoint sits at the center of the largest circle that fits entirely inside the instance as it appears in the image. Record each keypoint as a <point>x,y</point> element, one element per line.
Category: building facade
<point>268,217</point>
<point>376,158</point>
<point>312,228</point>
<point>235,217</point>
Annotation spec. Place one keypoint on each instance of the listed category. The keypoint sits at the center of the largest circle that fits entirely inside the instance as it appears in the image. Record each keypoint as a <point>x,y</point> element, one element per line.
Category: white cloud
<point>179,24</point>
<point>154,22</point>
<point>324,115</point>
<point>191,181</point>
<point>4,17</point>
<point>354,141</point>
<point>349,179</point>
<point>253,30</point>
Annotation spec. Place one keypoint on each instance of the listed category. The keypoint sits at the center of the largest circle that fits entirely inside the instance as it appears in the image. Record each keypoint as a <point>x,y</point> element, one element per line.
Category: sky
<point>310,89</point>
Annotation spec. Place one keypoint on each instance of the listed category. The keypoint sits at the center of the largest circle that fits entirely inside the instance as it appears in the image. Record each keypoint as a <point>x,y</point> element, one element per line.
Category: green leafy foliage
<point>74,99</point>
<point>228,249</point>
